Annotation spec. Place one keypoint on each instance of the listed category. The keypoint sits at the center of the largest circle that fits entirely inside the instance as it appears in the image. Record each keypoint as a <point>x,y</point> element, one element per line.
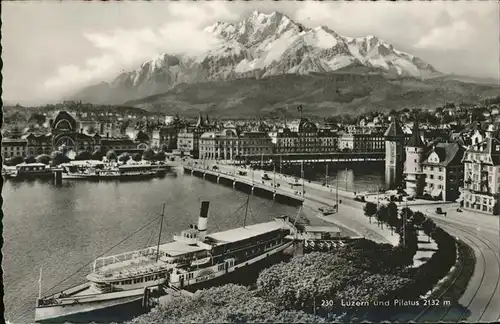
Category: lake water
<point>353,177</point>
<point>62,228</point>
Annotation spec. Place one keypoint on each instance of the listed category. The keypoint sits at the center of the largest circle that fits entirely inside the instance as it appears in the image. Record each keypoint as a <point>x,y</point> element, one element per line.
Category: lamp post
<point>274,175</point>
<point>302,175</point>
<point>346,179</point>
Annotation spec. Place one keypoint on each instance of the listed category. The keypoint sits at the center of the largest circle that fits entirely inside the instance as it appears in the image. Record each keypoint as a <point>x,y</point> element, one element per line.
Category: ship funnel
<point>202,220</point>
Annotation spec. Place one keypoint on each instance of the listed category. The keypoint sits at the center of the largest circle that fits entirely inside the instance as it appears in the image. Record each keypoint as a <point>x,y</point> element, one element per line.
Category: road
<point>481,298</point>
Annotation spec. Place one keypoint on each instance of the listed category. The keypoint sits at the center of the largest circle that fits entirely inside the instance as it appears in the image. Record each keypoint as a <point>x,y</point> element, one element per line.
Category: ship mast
<point>159,234</point>
<point>40,285</point>
<point>246,211</point>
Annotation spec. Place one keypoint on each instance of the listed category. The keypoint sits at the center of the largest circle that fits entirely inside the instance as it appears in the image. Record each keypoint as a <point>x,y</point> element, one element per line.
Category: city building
<point>165,138</point>
<point>481,176</point>
<point>415,155</point>
<point>12,147</point>
<point>254,143</point>
<point>230,144</point>
<point>307,139</point>
<point>359,142</point>
<point>188,138</point>
<point>65,134</point>
<point>219,145</point>
<point>443,171</point>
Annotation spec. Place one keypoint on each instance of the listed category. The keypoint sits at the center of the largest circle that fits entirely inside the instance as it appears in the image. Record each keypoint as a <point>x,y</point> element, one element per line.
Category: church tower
<point>394,156</point>
<point>415,155</point>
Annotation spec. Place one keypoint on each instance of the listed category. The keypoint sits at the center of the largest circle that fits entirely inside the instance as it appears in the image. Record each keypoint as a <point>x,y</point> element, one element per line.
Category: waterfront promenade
<point>348,216</point>
<point>480,231</point>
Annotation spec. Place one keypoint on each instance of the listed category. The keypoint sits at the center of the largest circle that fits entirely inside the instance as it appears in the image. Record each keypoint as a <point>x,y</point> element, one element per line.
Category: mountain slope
<point>260,46</point>
<point>321,94</point>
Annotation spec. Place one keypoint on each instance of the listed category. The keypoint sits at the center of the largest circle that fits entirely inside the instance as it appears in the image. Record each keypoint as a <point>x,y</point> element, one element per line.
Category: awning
<point>436,192</point>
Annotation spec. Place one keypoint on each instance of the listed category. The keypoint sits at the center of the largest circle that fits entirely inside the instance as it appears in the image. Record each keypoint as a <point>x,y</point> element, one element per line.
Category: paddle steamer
<point>191,259</point>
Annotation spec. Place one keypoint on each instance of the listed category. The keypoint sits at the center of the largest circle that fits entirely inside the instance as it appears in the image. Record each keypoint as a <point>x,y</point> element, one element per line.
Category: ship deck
<point>142,264</point>
<point>243,233</point>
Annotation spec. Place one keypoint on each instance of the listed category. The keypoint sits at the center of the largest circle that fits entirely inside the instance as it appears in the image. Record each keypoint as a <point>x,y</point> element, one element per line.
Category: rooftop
<point>243,233</point>
<point>447,152</point>
<point>394,129</point>
<point>178,248</point>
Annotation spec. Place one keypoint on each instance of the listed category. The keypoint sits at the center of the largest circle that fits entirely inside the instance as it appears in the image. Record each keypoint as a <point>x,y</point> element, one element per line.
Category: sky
<point>54,48</point>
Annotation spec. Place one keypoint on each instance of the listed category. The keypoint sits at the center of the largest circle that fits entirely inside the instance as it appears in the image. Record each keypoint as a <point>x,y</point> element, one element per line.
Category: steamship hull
<point>92,307</point>
<point>214,277</point>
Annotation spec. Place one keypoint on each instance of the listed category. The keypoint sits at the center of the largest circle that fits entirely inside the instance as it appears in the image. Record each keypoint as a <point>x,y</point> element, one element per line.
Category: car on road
<point>328,210</point>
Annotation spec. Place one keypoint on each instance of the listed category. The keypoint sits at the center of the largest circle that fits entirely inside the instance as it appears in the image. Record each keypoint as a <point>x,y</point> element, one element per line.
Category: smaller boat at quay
<point>97,170</point>
<point>27,170</point>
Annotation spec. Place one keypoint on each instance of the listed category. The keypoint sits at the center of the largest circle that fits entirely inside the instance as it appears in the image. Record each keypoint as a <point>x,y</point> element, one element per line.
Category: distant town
<point>447,153</point>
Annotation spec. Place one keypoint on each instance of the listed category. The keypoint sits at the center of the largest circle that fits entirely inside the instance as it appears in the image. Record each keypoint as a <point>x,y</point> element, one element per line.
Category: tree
<point>111,155</point>
<point>91,129</point>
<point>370,209</point>
<point>14,160</point>
<point>429,226</point>
<point>30,159</point>
<point>166,148</point>
<point>418,218</point>
<point>148,154</point>
<point>160,156</point>
<point>83,155</point>
<point>97,155</point>
<point>496,207</point>
<point>137,157</point>
<point>382,215</point>
<point>43,158</point>
<point>392,215</point>
<point>58,158</point>
<point>124,157</point>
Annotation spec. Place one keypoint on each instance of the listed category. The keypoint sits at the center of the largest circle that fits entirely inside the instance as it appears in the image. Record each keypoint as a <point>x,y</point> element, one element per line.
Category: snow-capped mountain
<point>264,45</point>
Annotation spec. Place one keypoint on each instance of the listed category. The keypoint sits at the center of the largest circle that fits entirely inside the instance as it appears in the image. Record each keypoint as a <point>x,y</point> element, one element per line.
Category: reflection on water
<point>353,176</point>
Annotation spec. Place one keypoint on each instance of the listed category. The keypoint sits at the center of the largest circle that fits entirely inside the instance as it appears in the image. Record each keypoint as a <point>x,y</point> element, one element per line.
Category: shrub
<point>83,155</point>
<point>14,160</point>
<point>58,158</point>
<point>233,304</point>
<point>30,159</point>
<point>160,156</point>
<point>111,155</point>
<point>43,158</point>
<point>124,157</point>
<point>97,155</point>
<point>148,154</point>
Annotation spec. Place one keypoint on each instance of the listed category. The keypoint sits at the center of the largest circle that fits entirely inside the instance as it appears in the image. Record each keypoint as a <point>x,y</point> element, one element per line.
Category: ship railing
<point>145,255</point>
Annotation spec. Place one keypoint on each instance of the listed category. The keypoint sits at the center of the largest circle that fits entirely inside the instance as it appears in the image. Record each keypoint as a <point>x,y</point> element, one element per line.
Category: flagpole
<point>40,285</point>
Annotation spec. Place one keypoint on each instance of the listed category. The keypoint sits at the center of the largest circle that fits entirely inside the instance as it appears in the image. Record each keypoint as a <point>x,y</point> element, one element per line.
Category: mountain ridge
<point>259,46</point>
<point>321,94</point>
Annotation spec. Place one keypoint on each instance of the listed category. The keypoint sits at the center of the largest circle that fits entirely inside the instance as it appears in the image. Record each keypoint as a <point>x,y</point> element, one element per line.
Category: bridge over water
<point>317,157</point>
